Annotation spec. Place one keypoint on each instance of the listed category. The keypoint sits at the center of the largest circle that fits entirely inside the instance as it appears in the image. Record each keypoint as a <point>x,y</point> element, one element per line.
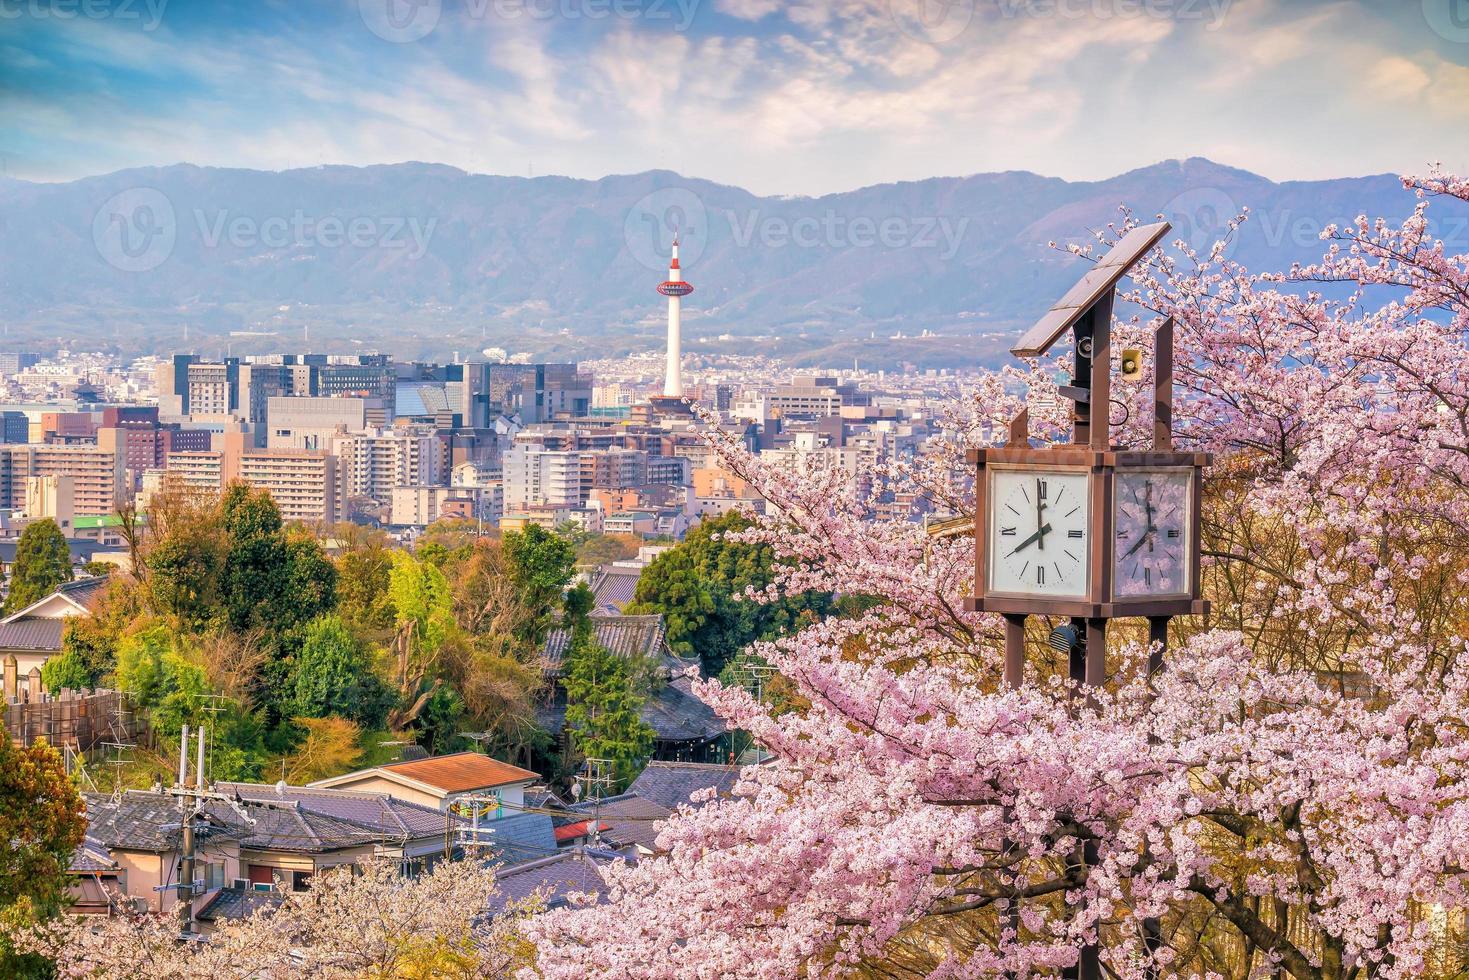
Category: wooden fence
<point>79,719</point>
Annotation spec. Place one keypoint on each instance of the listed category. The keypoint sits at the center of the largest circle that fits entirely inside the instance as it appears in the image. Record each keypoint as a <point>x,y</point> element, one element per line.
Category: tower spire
<point>675,288</point>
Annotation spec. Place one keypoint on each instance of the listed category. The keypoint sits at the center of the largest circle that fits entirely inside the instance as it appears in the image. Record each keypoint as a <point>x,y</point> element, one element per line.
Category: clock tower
<point>1085,531</point>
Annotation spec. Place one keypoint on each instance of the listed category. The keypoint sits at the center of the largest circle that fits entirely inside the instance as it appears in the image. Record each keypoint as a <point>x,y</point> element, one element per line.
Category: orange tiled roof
<point>460,771</point>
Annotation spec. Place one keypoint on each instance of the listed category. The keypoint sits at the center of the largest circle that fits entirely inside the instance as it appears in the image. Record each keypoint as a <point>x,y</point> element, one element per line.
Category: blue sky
<point>796,98</point>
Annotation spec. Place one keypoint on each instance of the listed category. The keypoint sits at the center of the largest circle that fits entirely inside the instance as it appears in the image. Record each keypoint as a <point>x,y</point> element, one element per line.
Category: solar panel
<point>1098,281</point>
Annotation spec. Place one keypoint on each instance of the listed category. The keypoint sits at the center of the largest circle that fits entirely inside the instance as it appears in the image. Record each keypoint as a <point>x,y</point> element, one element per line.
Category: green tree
<point>334,675</point>
<point>67,670</point>
<point>437,724</point>
<point>420,596</point>
<point>540,565</point>
<point>603,697</point>
<point>174,689</point>
<point>162,680</point>
<point>699,585</point>
<point>42,562</point>
<point>362,590</point>
<point>185,562</point>
<point>41,824</point>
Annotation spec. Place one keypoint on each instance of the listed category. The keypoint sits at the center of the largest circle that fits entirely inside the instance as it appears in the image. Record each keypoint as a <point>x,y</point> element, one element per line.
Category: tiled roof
<point>32,633</point>
<point>91,855</point>
<point>613,587</point>
<point>388,816</point>
<point>555,877</point>
<point>623,635</point>
<point>627,819</point>
<point>234,904</point>
<point>460,771</point>
<point>672,783</point>
<point>290,827</point>
<point>672,711</point>
<point>141,821</point>
<point>518,838</point>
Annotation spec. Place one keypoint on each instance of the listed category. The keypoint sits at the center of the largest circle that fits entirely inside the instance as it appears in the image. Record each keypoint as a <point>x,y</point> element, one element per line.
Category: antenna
<point>597,774</point>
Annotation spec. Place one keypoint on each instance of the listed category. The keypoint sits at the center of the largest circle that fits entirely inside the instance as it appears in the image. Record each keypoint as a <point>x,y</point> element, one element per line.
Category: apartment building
<point>541,478</point>
<point>377,461</point>
<point>305,484</point>
<point>97,474</point>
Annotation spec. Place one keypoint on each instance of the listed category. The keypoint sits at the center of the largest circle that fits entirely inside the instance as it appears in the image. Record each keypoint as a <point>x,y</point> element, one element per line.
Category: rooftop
<point>670,784</point>
<point>455,773</point>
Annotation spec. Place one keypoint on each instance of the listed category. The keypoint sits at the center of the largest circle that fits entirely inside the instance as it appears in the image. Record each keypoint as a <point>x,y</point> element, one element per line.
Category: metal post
<point>1158,639</point>
<point>1014,651</point>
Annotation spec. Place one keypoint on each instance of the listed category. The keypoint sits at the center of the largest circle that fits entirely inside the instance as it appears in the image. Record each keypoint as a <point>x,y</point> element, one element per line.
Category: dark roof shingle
<point>672,783</point>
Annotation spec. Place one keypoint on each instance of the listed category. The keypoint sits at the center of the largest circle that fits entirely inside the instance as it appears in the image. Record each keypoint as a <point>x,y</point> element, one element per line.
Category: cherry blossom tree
<point>1287,797</point>
<point>370,922</point>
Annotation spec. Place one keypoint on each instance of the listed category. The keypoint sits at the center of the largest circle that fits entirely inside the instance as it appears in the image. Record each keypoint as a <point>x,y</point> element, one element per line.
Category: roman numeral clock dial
<point>1039,532</point>
<point>1152,520</point>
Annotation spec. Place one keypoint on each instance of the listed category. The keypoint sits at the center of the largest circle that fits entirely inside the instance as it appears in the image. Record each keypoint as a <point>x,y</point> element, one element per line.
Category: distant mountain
<point>422,258</point>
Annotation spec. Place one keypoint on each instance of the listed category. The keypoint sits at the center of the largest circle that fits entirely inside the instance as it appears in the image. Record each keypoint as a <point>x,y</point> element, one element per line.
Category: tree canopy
<point>42,562</point>
<point>699,586</point>
<point>41,824</point>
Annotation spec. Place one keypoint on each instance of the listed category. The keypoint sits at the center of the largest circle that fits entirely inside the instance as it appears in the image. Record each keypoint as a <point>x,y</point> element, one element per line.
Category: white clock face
<point>1039,532</point>
<point>1154,515</point>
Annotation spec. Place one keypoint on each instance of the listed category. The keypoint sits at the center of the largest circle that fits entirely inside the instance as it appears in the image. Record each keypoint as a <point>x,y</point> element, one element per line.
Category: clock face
<point>1152,521</point>
<point>1039,532</point>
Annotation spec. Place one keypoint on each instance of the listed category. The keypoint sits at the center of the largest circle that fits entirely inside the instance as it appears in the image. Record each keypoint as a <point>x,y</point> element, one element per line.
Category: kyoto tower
<point>675,289</point>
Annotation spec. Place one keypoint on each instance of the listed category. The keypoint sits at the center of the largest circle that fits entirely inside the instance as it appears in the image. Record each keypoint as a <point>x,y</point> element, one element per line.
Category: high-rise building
<point>14,427</point>
<point>376,461</point>
<point>535,392</point>
<point>97,474</point>
<point>536,477</point>
<point>14,362</point>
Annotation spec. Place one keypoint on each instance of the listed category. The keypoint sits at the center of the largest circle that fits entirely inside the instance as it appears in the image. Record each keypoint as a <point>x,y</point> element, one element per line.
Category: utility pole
<point>191,794</point>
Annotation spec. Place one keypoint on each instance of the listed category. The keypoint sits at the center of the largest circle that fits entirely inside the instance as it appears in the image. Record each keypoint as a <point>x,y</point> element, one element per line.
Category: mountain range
<point>422,259</point>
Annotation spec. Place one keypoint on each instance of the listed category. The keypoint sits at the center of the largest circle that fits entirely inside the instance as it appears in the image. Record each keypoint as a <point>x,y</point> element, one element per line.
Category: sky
<point>777,97</point>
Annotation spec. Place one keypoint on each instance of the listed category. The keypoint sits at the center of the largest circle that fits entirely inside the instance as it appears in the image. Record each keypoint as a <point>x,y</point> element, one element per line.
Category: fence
<point>77,719</point>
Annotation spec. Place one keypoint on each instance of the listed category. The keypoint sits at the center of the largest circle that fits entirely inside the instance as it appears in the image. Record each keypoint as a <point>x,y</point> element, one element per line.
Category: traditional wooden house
<point>686,728</point>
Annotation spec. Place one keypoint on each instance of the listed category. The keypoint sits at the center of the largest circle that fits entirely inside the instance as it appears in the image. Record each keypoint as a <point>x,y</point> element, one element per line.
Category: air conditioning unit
<point>140,905</point>
<point>264,886</point>
<point>240,884</point>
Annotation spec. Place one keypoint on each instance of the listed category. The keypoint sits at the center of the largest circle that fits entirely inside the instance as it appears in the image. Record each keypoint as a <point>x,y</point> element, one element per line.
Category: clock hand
<point>1040,505</point>
<point>1147,536</point>
<point>1033,539</point>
